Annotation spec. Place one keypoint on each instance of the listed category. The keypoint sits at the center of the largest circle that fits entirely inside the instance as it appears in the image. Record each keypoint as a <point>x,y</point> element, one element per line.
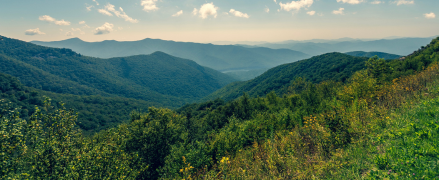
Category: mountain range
<point>157,77</point>
<point>218,57</point>
<point>399,46</point>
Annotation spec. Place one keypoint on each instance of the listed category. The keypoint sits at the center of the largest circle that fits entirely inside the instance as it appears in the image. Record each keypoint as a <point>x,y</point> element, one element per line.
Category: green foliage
<point>383,55</point>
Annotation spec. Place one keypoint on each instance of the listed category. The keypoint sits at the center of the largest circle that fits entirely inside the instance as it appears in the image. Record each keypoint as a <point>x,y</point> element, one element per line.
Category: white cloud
<point>51,19</point>
<point>79,30</point>
<point>238,14</point>
<point>267,10</point>
<point>47,18</point>
<point>296,5</point>
<point>97,4</point>
<point>195,12</point>
<point>275,1</point>
<point>351,1</point>
<point>178,13</point>
<point>430,15</point>
<point>104,29</point>
<point>402,2</point>
<point>149,5</point>
<point>81,22</point>
<point>311,13</point>
<point>69,33</point>
<point>32,32</point>
<point>104,12</point>
<point>376,2</point>
<point>110,8</point>
<point>339,11</point>
<point>88,7</point>
<point>207,10</point>
<point>62,23</point>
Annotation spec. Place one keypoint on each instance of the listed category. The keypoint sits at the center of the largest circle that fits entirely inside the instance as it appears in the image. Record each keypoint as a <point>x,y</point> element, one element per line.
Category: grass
<point>406,147</point>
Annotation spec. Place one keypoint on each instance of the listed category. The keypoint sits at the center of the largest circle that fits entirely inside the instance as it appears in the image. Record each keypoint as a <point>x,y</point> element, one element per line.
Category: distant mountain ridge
<point>218,57</point>
<point>158,77</point>
<point>399,46</point>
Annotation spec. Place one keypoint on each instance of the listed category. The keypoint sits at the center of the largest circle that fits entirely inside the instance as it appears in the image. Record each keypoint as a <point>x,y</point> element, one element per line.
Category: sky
<point>217,20</point>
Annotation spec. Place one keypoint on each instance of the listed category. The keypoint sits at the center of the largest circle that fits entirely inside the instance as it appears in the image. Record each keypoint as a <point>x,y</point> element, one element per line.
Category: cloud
<point>109,8</point>
<point>275,1</point>
<point>47,18</point>
<point>97,4</point>
<point>351,1</point>
<point>32,32</point>
<point>206,10</point>
<point>62,23</point>
<point>79,30</point>
<point>311,13</point>
<point>339,11</point>
<point>69,33</point>
<point>296,5</point>
<point>239,14</point>
<point>402,2</point>
<point>267,10</point>
<point>376,2</point>
<point>104,29</point>
<point>104,12</point>
<point>81,22</point>
<point>149,5</point>
<point>178,13</point>
<point>51,19</point>
<point>88,7</point>
<point>430,15</point>
<point>195,12</point>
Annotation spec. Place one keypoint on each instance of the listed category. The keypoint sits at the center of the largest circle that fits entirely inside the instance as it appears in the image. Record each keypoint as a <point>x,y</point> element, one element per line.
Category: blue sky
<point>217,20</point>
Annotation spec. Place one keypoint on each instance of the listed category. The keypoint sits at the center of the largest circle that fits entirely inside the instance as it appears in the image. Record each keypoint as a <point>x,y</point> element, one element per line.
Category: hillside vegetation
<point>157,78</point>
<point>328,130</point>
<point>383,55</point>
<point>94,112</point>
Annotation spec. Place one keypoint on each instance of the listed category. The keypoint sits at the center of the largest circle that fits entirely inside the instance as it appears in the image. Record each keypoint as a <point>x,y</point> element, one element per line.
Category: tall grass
<point>370,131</point>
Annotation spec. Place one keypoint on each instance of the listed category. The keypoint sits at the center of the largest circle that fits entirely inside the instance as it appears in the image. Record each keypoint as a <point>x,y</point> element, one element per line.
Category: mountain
<point>330,66</point>
<point>159,77</point>
<point>218,57</point>
<point>372,54</point>
<point>400,46</point>
<point>94,112</point>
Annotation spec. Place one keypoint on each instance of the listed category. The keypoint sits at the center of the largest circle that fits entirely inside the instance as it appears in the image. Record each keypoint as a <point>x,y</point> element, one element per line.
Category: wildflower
<point>413,174</point>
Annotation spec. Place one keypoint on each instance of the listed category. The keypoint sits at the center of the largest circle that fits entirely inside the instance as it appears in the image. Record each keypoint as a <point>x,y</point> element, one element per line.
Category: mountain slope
<point>372,54</point>
<point>218,57</point>
<point>157,77</point>
<point>94,112</point>
<point>331,66</point>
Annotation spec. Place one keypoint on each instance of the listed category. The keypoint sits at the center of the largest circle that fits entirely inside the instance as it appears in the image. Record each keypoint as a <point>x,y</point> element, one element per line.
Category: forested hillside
<point>383,55</point>
<point>327,130</point>
<point>94,112</point>
<point>332,66</point>
<point>157,78</point>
